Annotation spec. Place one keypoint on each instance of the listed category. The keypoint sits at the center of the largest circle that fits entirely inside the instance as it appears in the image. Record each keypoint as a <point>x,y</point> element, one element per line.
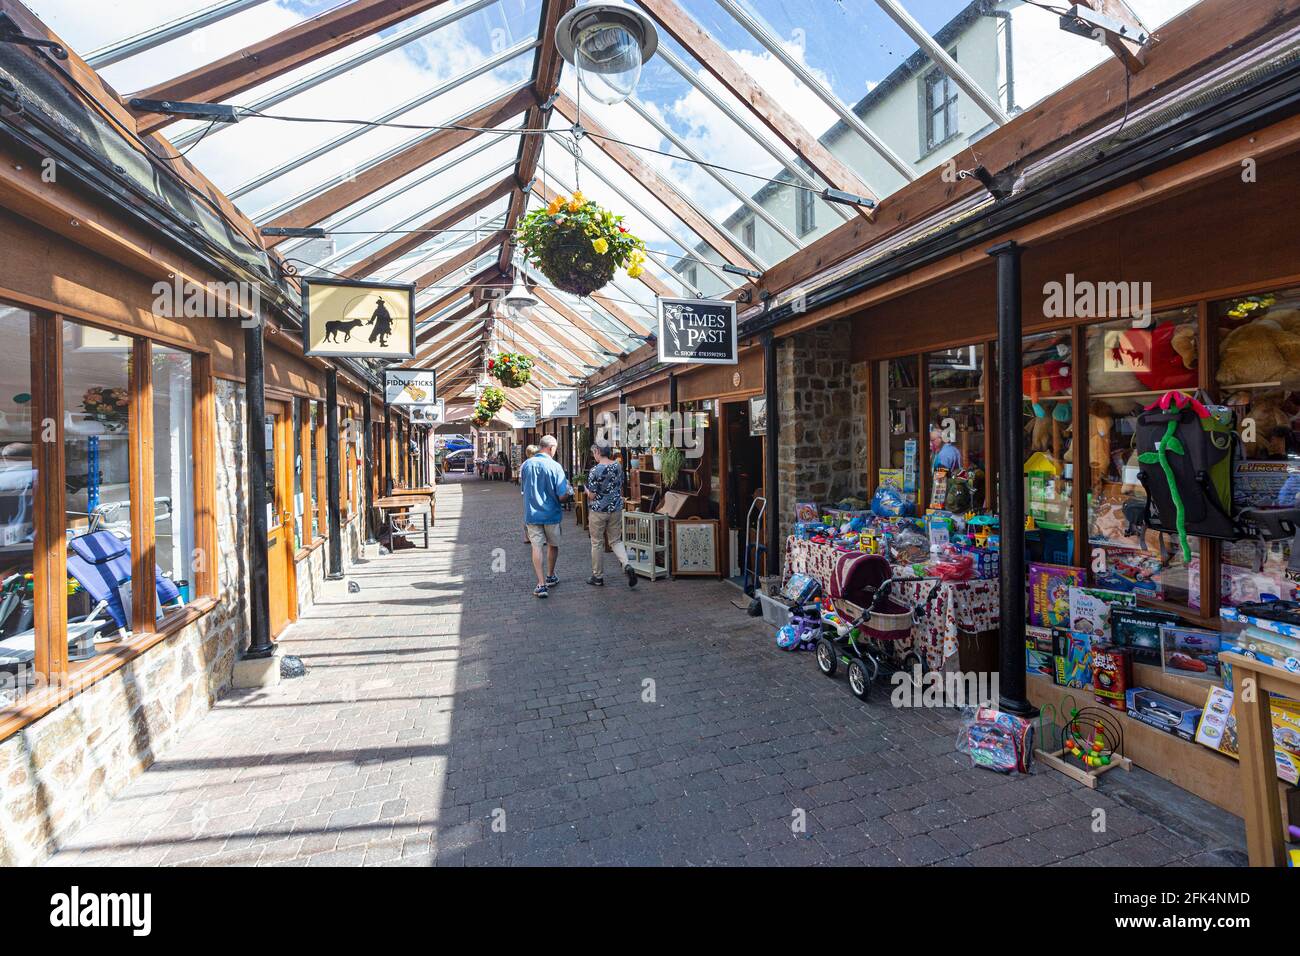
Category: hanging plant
<point>492,399</point>
<point>106,405</point>
<point>671,459</point>
<point>511,369</point>
<point>578,245</point>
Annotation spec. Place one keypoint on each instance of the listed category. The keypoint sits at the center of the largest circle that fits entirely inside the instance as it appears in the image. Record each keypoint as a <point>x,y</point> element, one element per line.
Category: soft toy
<point>1166,364</point>
<point>1038,430</point>
<point>1100,421</point>
<point>1265,350</point>
<point>1271,415</point>
<point>1186,343</point>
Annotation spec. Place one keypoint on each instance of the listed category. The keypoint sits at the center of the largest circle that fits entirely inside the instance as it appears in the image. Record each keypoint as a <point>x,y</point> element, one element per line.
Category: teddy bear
<point>1100,421</point>
<point>1266,349</point>
<point>1271,415</point>
<point>1139,359</point>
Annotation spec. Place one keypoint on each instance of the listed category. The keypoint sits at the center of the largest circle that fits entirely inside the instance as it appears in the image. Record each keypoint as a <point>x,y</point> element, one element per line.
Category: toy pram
<point>868,628</point>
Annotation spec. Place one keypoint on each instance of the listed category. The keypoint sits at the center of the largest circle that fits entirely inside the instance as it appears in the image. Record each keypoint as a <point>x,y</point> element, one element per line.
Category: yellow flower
<point>556,205</point>
<point>634,271</point>
<point>601,245</point>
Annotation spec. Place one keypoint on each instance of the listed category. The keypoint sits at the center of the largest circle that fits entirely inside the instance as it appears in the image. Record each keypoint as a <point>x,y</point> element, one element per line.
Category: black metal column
<point>333,517</point>
<point>368,475</point>
<point>1011,485</point>
<point>775,546</point>
<point>259,589</point>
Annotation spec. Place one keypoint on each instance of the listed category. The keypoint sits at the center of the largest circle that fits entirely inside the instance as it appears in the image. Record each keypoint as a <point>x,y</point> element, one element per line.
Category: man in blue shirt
<point>544,485</point>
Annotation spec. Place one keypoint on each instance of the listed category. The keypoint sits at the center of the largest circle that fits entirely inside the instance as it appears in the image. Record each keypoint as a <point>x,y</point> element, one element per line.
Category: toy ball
<point>787,638</point>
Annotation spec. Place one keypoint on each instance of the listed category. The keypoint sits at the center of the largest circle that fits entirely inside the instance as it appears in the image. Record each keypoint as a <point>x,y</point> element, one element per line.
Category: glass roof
<point>858,75</point>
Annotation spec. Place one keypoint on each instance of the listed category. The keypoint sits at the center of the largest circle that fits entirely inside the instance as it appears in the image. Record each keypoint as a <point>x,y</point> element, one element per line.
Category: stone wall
<point>822,448</point>
<point>59,771</point>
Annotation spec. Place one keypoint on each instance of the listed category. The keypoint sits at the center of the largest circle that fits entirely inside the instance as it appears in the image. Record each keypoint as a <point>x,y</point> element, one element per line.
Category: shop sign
<point>358,319</point>
<point>701,331</point>
<point>559,403</point>
<point>526,418</point>
<point>434,414</point>
<point>410,386</point>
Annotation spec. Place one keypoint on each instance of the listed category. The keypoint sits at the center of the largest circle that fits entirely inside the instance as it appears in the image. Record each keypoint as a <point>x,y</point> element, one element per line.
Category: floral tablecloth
<point>944,609</point>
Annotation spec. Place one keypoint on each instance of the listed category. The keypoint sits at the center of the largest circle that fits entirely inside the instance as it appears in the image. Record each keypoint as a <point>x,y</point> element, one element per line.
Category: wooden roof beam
<point>287,50</point>
<point>664,191</point>
<point>423,233</point>
<point>558,305</point>
<point>461,259</point>
<point>422,151</point>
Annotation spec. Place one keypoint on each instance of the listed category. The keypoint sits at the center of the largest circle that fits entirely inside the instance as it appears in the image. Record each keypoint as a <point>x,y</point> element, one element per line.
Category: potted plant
<point>673,458</point>
<point>492,399</point>
<point>578,245</point>
<point>657,435</point>
<point>108,406</point>
<point>511,369</point>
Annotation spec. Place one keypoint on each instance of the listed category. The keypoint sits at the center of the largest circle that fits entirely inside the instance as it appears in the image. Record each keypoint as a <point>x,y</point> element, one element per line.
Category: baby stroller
<point>868,627</point>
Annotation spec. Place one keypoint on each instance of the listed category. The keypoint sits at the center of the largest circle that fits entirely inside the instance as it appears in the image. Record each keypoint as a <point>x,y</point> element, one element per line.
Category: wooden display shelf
<point>1210,775</point>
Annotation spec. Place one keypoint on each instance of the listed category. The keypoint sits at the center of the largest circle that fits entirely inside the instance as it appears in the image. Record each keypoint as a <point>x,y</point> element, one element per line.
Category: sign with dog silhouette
<point>357,319</point>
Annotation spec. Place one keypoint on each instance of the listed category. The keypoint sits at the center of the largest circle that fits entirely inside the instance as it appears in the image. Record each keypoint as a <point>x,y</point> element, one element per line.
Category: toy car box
<point>1163,713</point>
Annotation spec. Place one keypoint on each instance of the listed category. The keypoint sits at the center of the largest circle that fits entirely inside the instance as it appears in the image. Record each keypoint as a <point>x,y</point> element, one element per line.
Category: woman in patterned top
<point>605,515</point>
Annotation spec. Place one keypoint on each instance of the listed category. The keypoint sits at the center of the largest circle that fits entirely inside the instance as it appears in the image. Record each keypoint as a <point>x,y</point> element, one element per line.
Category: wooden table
<point>1264,838</point>
<point>398,510</point>
<point>426,495</point>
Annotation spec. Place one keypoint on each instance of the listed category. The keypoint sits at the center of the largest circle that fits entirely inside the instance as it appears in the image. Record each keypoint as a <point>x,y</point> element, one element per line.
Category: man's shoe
<point>631,575</point>
<point>598,582</point>
<point>552,581</point>
<point>540,591</point>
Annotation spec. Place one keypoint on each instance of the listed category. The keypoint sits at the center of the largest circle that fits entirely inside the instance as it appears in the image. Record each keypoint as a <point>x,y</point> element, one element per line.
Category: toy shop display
<point>1112,675</point>
<point>1191,652</point>
<point>1081,742</point>
<point>1163,713</point>
<point>1090,609</point>
<point>996,740</point>
<point>1039,657</point>
<point>1218,730</point>
<point>1268,632</point>
<point>1138,629</point>
<point>1049,593</point>
<point>1071,658</point>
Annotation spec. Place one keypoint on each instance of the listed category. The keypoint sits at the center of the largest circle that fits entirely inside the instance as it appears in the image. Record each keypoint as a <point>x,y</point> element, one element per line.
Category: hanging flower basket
<point>492,399</point>
<point>578,245</point>
<point>511,369</point>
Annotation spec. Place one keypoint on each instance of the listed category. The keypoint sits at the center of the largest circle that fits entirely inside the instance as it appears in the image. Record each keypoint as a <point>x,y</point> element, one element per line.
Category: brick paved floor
<point>449,718</point>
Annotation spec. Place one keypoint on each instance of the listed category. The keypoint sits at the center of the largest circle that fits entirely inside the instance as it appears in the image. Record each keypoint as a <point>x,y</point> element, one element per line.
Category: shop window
<point>749,233</point>
<point>173,448</point>
<point>1258,374</point>
<point>17,500</point>
<point>96,449</point>
<point>314,468</point>
<point>1131,363</point>
<point>299,492</point>
<point>1047,408</point>
<point>901,438</point>
<point>955,389</point>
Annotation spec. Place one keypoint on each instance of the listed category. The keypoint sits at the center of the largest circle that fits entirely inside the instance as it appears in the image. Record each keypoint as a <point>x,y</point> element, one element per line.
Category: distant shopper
<point>605,515</point>
<point>544,486</point>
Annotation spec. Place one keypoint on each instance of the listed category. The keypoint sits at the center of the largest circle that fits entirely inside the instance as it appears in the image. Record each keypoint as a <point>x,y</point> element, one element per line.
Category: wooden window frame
<point>58,679</point>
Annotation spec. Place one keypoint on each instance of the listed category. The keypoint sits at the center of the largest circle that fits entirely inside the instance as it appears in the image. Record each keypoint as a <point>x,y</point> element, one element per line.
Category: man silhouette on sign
<point>383,324</point>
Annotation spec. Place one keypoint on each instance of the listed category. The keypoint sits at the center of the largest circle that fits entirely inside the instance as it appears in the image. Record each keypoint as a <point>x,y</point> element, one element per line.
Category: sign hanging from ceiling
<point>410,386</point>
<point>559,403</point>
<point>434,414</point>
<point>358,319</point>
<point>526,418</point>
<point>701,331</point>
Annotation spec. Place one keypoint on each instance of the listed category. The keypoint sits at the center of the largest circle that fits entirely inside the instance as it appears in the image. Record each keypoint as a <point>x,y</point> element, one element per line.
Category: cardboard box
<point>1218,730</point>
<point>1072,658</point>
<point>1163,713</point>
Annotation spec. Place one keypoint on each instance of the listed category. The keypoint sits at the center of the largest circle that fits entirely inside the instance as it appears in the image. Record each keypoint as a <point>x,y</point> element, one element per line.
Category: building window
<point>299,492</point>
<point>316,471</point>
<point>173,449</point>
<point>806,212</point>
<point>748,233</point>
<point>18,480</point>
<point>940,108</point>
<point>691,276</point>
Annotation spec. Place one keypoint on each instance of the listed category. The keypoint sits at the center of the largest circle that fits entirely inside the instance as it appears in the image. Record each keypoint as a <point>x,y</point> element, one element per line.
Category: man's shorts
<point>543,534</point>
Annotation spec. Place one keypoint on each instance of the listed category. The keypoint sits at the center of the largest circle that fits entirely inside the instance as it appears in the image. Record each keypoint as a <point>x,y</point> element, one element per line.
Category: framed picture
<point>758,415</point>
<point>695,547</point>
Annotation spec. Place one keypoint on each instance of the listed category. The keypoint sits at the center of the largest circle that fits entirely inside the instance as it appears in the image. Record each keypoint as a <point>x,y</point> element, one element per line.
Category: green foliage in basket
<point>671,460</point>
<point>511,369</point>
<point>578,245</point>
